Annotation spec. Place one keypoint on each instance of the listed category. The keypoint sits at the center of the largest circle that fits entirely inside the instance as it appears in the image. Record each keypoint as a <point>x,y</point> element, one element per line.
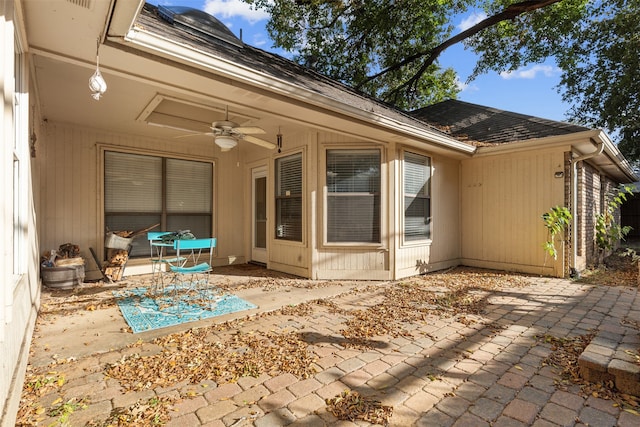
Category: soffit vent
<point>82,3</point>
<point>199,23</point>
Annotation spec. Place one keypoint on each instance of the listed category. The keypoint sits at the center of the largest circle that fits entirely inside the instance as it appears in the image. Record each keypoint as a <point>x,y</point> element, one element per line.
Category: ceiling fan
<point>227,133</point>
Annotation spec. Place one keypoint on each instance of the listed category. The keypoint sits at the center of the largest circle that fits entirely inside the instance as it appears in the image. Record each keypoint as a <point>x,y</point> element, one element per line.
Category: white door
<point>259,215</point>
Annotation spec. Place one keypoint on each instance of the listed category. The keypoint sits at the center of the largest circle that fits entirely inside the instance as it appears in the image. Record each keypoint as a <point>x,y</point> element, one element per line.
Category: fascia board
<point>611,150</point>
<point>165,47</point>
<point>580,142</point>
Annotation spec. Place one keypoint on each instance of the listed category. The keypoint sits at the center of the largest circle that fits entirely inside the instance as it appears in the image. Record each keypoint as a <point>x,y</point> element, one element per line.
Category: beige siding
<point>444,248</point>
<point>503,198</point>
<point>286,256</point>
<point>358,262</point>
<point>71,206</point>
<point>19,264</point>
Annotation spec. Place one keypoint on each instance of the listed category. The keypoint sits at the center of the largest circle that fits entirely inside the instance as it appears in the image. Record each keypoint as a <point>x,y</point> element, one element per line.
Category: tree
<point>602,72</point>
<point>596,44</point>
<point>389,49</point>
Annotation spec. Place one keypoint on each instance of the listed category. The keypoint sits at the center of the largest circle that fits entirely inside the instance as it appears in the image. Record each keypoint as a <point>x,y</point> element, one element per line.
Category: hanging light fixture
<point>97,85</point>
<point>225,142</point>
<point>279,140</point>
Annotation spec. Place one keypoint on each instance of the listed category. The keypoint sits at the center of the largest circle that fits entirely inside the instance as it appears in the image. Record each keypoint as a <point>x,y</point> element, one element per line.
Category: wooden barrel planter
<point>65,277</point>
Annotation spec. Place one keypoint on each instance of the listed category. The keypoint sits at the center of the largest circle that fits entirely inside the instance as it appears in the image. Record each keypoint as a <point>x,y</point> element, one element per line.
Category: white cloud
<point>466,87</point>
<point>531,73</point>
<point>471,20</point>
<point>226,9</point>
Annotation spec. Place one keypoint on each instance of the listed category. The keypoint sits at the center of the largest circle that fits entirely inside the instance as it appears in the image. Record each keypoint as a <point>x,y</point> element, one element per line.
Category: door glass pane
<point>260,212</point>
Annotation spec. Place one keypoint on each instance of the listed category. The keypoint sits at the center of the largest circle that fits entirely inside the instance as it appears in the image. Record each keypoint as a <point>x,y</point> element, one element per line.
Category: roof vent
<point>198,23</point>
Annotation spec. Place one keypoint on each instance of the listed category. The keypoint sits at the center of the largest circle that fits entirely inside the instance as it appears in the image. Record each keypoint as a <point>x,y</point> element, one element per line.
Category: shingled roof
<point>486,125</point>
<point>273,65</point>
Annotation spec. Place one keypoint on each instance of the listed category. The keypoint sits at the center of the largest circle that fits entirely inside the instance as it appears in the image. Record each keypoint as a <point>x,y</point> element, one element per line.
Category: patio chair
<point>193,273</point>
<point>159,258</point>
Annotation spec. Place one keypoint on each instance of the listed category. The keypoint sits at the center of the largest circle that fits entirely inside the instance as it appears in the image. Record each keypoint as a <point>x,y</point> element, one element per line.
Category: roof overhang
<point>124,15</point>
<point>610,161</point>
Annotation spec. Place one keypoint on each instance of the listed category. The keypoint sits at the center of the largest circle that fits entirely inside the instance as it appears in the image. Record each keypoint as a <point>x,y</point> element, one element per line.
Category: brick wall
<point>593,191</point>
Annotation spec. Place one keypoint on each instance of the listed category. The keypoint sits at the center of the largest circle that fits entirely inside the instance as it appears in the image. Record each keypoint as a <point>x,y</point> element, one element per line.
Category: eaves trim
<point>165,47</point>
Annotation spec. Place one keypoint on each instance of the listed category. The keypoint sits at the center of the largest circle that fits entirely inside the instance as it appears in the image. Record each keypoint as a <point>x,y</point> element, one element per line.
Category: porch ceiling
<point>62,39</point>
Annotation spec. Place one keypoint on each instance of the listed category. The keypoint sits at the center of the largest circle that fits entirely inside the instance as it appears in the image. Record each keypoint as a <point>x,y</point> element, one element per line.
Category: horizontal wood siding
<point>293,257</point>
<point>444,248</point>
<point>503,199</point>
<point>70,208</point>
<point>357,262</point>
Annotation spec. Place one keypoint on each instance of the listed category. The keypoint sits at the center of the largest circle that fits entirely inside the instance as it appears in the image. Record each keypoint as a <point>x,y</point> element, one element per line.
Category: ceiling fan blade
<point>258,141</point>
<point>248,130</point>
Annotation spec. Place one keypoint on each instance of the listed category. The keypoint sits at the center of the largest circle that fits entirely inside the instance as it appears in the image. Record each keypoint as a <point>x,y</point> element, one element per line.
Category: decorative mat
<point>145,311</point>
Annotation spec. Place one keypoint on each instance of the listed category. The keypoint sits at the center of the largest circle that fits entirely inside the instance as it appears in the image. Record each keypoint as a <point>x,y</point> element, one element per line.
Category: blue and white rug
<point>145,311</point>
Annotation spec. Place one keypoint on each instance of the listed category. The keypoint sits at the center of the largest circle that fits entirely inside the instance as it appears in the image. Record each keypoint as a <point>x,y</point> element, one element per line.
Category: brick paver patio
<point>467,370</point>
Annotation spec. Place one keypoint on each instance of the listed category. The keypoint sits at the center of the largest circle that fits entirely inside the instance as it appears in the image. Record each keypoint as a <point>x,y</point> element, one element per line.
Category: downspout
<point>573,271</point>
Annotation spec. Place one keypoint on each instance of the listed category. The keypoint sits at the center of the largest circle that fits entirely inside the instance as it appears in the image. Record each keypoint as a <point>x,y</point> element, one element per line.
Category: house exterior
<point>351,189</point>
<point>523,166</point>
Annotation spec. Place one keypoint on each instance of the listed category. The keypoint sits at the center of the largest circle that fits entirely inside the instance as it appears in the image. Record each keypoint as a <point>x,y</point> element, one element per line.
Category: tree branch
<point>510,12</point>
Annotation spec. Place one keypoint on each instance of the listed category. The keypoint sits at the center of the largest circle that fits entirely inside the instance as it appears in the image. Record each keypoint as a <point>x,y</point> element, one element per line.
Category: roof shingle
<point>488,125</point>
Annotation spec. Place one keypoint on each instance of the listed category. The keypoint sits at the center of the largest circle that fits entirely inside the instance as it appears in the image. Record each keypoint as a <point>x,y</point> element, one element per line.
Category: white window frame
<point>426,195</point>
<point>328,193</point>
<point>277,195</point>
<point>107,148</point>
<point>19,242</point>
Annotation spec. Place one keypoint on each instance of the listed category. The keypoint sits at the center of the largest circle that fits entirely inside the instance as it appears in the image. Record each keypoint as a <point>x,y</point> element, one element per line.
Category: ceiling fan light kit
<point>227,133</point>
<point>225,142</point>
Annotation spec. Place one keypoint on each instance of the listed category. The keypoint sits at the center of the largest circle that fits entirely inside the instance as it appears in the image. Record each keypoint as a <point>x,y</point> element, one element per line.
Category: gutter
<point>574,203</point>
<point>163,47</point>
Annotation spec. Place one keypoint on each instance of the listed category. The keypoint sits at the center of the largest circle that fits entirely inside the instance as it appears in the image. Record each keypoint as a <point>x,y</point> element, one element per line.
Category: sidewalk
<point>462,348</point>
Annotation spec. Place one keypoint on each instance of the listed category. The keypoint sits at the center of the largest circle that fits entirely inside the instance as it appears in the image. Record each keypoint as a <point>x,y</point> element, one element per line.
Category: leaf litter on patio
<point>564,357</point>
<point>350,406</point>
<point>194,356</point>
<point>222,353</point>
<point>618,269</point>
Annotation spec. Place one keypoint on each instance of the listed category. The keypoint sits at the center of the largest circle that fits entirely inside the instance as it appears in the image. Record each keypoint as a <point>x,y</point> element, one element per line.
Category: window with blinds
<point>289,198</point>
<point>140,191</point>
<point>353,196</point>
<point>18,238</point>
<point>417,197</point>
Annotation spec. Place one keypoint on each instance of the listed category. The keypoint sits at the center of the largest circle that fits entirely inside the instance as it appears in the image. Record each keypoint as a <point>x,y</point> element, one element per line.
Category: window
<point>20,162</point>
<point>141,191</point>
<point>289,198</point>
<point>353,196</point>
<point>417,197</point>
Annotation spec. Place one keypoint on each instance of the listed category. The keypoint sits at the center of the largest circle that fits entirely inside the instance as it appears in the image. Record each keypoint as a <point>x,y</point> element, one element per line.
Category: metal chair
<point>192,274</point>
<point>159,259</point>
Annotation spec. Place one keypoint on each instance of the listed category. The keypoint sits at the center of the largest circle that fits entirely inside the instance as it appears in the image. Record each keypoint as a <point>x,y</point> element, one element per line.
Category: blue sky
<point>530,90</point>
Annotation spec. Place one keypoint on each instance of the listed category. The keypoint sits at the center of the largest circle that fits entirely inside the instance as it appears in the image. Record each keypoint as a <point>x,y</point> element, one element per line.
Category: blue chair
<point>194,272</point>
